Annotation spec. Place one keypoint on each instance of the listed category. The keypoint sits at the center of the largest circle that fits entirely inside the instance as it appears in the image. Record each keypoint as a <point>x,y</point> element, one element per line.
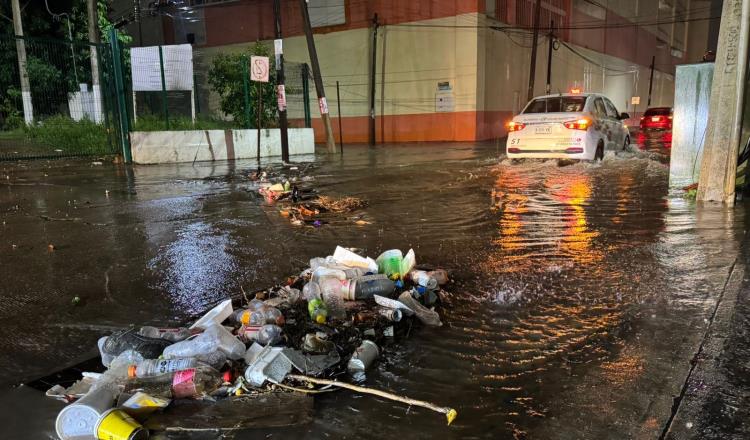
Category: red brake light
<point>581,124</point>
<point>515,126</point>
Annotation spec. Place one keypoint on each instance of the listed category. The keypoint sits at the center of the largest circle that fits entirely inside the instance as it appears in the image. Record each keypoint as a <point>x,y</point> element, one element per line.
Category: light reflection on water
<point>573,282</point>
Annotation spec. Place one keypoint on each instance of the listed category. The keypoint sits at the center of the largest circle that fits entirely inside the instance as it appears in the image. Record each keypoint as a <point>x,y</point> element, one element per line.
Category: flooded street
<point>582,291</point>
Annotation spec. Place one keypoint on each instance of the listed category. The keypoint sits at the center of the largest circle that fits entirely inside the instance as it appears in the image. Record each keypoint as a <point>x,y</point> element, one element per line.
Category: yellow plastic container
<point>115,424</point>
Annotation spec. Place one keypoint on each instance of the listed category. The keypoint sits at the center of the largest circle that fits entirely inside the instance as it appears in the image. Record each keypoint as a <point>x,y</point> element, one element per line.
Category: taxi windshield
<point>556,104</point>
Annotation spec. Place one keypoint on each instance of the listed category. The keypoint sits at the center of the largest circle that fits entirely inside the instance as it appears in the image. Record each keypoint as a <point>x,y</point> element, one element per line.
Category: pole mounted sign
<point>259,69</point>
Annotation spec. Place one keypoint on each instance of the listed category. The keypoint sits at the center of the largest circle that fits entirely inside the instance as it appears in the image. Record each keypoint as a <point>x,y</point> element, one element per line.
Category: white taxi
<point>570,126</point>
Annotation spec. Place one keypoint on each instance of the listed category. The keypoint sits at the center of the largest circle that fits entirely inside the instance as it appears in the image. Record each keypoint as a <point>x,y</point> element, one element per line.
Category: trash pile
<point>325,327</point>
<point>301,204</point>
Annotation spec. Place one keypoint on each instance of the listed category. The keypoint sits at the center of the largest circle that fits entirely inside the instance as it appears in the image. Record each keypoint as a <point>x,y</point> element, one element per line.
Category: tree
<point>226,79</point>
<point>56,65</point>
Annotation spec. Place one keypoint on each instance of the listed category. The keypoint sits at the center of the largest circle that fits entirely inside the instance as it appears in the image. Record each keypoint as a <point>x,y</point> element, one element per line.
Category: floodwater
<point>581,292</point>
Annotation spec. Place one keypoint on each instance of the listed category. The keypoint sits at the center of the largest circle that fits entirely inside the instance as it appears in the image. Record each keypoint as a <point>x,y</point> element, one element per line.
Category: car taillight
<point>515,126</point>
<point>581,124</point>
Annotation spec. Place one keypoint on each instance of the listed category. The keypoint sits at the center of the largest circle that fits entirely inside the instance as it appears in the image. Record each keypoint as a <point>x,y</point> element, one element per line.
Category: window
<point>611,110</point>
<point>658,111</point>
<point>562,104</point>
<point>599,108</point>
<point>326,12</point>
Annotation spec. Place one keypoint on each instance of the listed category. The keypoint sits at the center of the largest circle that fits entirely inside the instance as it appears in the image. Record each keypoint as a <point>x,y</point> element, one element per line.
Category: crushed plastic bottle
<point>215,337</point>
<point>168,334</point>
<point>422,278</point>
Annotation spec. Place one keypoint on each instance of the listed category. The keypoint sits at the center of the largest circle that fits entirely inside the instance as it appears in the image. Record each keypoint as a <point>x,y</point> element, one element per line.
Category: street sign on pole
<point>259,69</point>
<point>635,100</point>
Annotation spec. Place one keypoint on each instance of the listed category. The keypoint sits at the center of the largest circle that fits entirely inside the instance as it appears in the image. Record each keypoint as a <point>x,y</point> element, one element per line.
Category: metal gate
<point>57,110</point>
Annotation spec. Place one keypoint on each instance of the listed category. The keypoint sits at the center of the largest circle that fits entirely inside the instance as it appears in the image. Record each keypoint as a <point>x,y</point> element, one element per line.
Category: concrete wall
<point>690,122</point>
<point>151,147</point>
<point>425,43</point>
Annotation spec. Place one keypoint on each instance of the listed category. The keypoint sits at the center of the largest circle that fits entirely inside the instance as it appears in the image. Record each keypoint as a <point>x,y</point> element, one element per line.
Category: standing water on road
<point>579,299</point>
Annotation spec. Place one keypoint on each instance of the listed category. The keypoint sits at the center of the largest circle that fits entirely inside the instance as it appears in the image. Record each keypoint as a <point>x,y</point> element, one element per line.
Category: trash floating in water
<point>336,318</point>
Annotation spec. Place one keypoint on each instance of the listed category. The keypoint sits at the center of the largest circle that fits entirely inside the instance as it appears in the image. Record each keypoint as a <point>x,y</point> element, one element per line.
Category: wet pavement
<point>582,294</point>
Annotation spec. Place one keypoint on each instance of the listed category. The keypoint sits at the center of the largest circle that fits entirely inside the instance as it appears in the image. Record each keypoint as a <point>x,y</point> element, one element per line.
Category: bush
<point>72,137</point>
<point>226,79</point>
<point>150,122</point>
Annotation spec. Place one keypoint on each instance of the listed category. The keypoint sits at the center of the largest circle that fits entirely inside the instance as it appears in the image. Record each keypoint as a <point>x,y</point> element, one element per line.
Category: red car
<point>656,127</point>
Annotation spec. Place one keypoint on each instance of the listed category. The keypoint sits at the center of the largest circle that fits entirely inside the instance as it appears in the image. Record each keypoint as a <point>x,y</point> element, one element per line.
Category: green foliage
<point>226,79</point>
<point>72,137</point>
<point>178,123</point>
<point>10,117</point>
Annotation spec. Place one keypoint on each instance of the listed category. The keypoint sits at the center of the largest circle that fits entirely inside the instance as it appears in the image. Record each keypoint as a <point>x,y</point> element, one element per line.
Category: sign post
<point>259,73</point>
<point>635,101</point>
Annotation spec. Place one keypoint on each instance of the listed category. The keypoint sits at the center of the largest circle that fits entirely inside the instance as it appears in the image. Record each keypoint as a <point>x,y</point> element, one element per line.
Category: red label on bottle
<point>183,384</point>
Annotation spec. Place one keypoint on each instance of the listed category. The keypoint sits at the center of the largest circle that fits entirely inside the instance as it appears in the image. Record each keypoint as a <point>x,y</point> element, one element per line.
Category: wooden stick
<point>450,413</point>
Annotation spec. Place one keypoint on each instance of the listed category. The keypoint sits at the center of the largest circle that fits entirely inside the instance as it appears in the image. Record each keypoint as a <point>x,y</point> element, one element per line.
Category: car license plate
<point>542,130</point>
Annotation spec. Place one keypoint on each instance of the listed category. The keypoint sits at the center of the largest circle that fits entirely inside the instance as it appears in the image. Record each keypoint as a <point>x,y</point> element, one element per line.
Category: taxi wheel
<point>599,155</point>
<point>627,143</point>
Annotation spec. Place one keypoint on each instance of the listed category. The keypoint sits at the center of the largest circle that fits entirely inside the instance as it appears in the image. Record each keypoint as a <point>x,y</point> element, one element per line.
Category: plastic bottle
<point>318,310</point>
<point>389,263</point>
<point>255,304</point>
<point>249,317</point>
<point>333,292</point>
<point>156,367</point>
<point>168,334</point>
<point>311,291</point>
<point>181,384</point>
<point>272,315</point>
<point>269,334</point>
<point>370,285</point>
<point>422,278</point>
<point>327,272</point>
<point>215,337</point>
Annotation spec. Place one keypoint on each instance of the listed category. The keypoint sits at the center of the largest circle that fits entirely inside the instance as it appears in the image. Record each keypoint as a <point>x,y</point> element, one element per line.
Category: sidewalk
<point>716,398</point>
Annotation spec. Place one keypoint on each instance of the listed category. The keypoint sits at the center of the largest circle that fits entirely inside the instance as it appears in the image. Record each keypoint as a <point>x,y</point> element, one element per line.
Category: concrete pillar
<point>719,167</point>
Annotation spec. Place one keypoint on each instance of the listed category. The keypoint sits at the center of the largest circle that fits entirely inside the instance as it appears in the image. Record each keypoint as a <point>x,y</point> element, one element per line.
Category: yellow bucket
<point>117,425</point>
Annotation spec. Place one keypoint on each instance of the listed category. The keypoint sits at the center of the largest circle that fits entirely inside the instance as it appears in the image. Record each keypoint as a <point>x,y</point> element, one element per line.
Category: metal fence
<point>56,109</point>
<point>213,91</point>
<point>66,113</point>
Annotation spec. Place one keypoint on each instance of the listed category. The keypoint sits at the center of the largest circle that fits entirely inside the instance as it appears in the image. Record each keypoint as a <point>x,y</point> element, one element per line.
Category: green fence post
<point>245,83</point>
<point>163,88</point>
<point>120,96</point>
<point>306,95</point>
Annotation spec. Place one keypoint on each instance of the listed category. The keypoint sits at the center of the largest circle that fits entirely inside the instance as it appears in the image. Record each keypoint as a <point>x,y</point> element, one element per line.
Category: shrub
<point>226,79</point>
<point>72,137</point>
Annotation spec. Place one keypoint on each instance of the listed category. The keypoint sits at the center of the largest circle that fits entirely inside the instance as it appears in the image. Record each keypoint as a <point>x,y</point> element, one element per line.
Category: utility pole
<point>373,72</point>
<point>719,163</point>
<point>322,103</point>
<point>93,19</point>
<point>28,107</point>
<point>549,56</point>
<point>280,87</point>
<point>651,81</point>
<point>535,41</point>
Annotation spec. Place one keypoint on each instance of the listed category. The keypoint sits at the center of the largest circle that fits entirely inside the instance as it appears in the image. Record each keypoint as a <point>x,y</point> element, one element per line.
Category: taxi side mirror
<point>624,116</point>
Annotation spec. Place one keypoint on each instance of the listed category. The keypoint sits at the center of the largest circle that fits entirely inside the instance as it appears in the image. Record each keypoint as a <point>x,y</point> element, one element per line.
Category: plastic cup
<point>118,425</point>
<point>78,421</point>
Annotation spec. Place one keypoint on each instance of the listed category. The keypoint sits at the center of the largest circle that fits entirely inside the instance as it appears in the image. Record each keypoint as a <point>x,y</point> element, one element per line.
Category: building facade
<point>457,70</point>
